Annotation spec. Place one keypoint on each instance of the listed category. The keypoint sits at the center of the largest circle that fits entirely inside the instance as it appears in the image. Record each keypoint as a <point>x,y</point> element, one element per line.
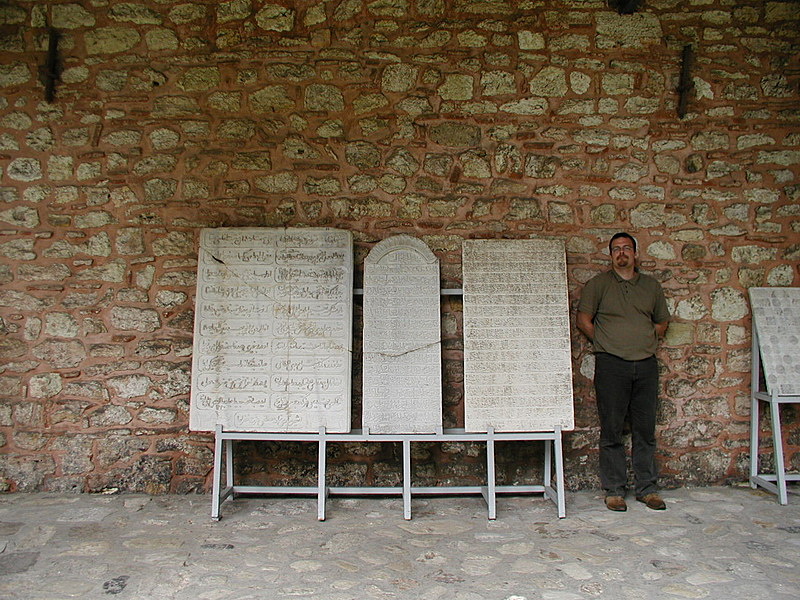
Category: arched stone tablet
<point>402,369</point>
<point>517,362</point>
<point>273,330</point>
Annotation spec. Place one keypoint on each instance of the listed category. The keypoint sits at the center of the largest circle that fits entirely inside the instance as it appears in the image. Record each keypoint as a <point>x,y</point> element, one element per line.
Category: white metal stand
<point>774,482</point>
<point>553,461</point>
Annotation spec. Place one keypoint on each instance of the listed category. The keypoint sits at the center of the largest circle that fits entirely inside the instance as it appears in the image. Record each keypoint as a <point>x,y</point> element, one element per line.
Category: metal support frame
<point>773,482</point>
<point>224,445</point>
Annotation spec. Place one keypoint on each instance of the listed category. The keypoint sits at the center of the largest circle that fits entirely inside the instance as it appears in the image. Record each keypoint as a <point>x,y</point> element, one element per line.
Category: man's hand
<point>661,328</point>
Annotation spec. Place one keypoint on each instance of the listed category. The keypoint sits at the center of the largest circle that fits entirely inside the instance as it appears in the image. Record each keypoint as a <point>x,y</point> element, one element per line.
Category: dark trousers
<point>627,388</point>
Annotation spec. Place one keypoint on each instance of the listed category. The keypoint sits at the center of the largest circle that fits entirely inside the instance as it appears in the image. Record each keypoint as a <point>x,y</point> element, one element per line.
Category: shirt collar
<point>634,280</point>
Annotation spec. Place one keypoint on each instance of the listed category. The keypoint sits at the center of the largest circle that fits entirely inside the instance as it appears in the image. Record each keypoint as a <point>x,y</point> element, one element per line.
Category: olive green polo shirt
<point>624,313</point>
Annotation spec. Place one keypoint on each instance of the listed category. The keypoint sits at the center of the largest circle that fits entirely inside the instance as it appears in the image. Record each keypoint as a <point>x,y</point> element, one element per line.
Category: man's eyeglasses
<point>616,249</point>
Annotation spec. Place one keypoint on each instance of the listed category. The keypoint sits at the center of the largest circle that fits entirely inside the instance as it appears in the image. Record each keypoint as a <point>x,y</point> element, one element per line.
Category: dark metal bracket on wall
<point>685,83</point>
<point>50,72</point>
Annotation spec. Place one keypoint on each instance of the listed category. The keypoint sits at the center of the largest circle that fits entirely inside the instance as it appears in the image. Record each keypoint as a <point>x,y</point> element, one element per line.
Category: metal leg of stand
<point>407,480</point>
<point>215,491</point>
<point>754,412</point>
<point>548,463</point>
<point>491,498</point>
<point>755,382</point>
<point>562,508</point>
<point>777,441</point>
<point>229,464</point>
<point>322,489</point>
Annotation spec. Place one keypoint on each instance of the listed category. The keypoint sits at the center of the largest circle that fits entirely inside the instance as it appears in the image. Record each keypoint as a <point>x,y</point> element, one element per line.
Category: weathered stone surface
<point>399,78</point>
<point>29,475</point>
<point>109,416</point>
<point>6,276</point>
<point>271,99</point>
<point>60,324</point>
<point>168,298</point>
<point>635,30</point>
<point>14,74</point>
<point>278,183</point>
<point>175,243</point>
<point>362,155</point>
<point>714,140</point>
<point>752,254</point>
<point>118,447</point>
<point>89,220</point>
<point>541,166</point>
<point>18,250</point>
<point>113,271</point>
<point>60,354</point>
<point>323,97</point>
<point>167,107</point>
<point>130,241</point>
<point>75,453</point>
<point>402,161</point>
<point>25,169</point>
<point>527,106</point>
<point>23,301</point>
<point>326,186</point>
<point>134,13</point>
<point>691,309</point>
<point>457,87</point>
<point>455,134</point>
<point>10,385</point>
<point>369,102</point>
<point>105,350</point>
<point>529,40</point>
<point>274,17</point>
<point>679,334</point>
<point>128,386</point>
<point>71,16</point>
<point>129,318</point>
<point>177,278</point>
<point>550,81</point>
<point>199,79</point>
<point>728,304</point>
<point>111,40</point>
<point>157,415</point>
<point>781,276</point>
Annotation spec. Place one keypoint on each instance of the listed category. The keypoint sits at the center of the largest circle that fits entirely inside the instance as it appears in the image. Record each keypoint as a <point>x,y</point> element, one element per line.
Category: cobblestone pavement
<point>709,543</point>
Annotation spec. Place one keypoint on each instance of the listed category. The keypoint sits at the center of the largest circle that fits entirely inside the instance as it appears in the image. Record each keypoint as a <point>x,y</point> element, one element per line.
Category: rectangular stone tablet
<point>273,330</point>
<point>517,362</point>
<point>776,319</point>
<point>402,365</point>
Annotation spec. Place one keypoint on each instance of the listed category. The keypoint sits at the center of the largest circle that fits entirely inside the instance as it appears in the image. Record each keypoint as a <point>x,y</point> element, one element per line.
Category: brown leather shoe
<point>616,503</point>
<point>653,501</point>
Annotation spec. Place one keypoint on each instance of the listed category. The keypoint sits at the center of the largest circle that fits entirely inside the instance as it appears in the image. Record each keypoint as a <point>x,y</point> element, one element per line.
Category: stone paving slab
<point>710,543</point>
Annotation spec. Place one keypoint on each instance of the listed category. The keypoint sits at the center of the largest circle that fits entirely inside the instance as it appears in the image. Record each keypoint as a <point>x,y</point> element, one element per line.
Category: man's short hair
<point>622,234</point>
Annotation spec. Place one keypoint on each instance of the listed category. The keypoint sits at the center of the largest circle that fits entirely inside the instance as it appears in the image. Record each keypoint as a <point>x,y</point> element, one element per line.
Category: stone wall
<point>445,120</point>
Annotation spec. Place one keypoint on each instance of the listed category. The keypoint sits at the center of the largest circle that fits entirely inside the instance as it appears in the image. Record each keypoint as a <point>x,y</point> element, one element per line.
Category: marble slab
<point>402,357</point>
<point>517,362</point>
<point>273,330</point>
<point>776,318</point>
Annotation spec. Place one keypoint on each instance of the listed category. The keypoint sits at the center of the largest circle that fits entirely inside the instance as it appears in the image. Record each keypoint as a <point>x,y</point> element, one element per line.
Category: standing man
<point>624,313</point>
